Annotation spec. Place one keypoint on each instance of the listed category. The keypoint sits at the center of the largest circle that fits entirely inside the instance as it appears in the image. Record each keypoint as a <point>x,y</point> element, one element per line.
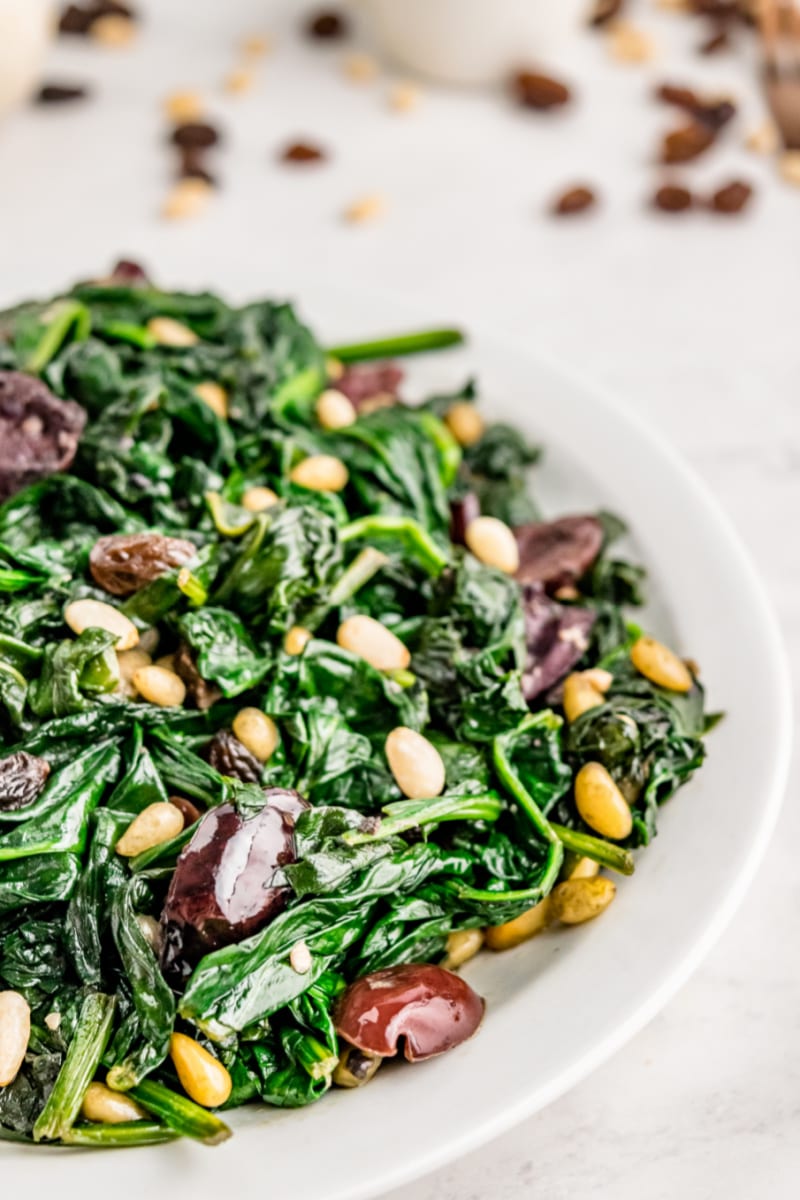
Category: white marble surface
<point>693,321</point>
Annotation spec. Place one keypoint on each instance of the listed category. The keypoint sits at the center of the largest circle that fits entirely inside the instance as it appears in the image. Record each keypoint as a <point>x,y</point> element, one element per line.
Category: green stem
<point>416,814</point>
<point>469,893</point>
<point>417,541</point>
<point>83,1057</point>
<point>125,1133</point>
<point>605,853</point>
<point>366,564</point>
<point>179,1113</point>
<point>315,1058</point>
<point>68,314</point>
<point>127,331</point>
<point>396,345</point>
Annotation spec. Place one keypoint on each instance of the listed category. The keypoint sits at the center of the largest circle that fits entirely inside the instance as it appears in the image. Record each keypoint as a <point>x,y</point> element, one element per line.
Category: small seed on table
<point>360,68</point>
<point>188,198</point>
<point>203,1077</point>
<point>789,163</point>
<point>404,97</point>
<point>169,332</point>
<point>257,732</point>
<point>15,1032</point>
<point>157,823</point>
<point>465,423</point>
<point>320,473</point>
<point>240,80</point>
<point>159,685</point>
<point>113,29</point>
<point>579,900</point>
<point>367,208</point>
<point>107,1107</point>
<point>184,106</point>
<point>96,614</point>
<point>658,664</point>
<point>600,802</point>
<point>371,640</point>
<point>415,763</point>
<point>491,541</point>
<point>335,410</point>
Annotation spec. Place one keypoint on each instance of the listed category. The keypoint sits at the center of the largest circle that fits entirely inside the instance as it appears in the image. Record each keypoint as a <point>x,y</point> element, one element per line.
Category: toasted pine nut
<point>764,138</point>
<point>462,945</point>
<point>184,106</point>
<point>114,30</point>
<point>15,1033</point>
<point>629,44</point>
<point>151,931</point>
<point>579,900</point>
<point>257,732</point>
<point>297,639</point>
<point>53,1021</point>
<point>157,823</point>
<point>493,543</point>
<point>580,868</point>
<point>240,80</point>
<point>160,686</point>
<point>300,958</point>
<point>371,640</point>
<point>599,678</point>
<point>109,1108</point>
<point>335,410</point>
<point>521,929</point>
<point>188,198</point>
<point>320,473</point>
<point>579,696</point>
<point>404,97</point>
<point>215,396</point>
<point>360,68</point>
<point>356,1067</point>
<point>334,369</point>
<point>256,499</point>
<point>658,664</point>
<point>465,423</point>
<point>129,662</point>
<point>789,163</point>
<point>367,208</point>
<point>96,614</point>
<point>203,1077</point>
<point>256,45</point>
<point>601,803</point>
<point>415,763</point>
<point>169,332</point>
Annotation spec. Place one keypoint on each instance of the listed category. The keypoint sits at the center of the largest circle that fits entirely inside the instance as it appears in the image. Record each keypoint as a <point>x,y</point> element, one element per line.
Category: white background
<point>693,320</point>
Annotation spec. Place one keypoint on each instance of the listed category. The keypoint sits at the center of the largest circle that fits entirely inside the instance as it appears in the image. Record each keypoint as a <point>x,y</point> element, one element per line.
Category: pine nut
<point>356,1067</point>
<point>157,823</point>
<point>360,68</point>
<point>764,138</point>
<point>789,164</point>
<point>579,900</point>
<point>169,332</point>
<point>462,945</point>
<point>113,30</point>
<point>629,44</point>
<point>658,664</point>
<point>465,423</point>
<point>320,473</point>
<point>415,763</point>
<point>109,1108</point>
<point>335,410</point>
<point>240,80</point>
<point>372,641</point>
<point>367,208</point>
<point>257,732</point>
<point>404,97</point>
<point>256,499</point>
<point>183,107</point>
<point>15,1033</point>
<point>599,678</point>
<point>188,198</point>
<point>215,396</point>
<point>521,929</point>
<point>203,1077</point>
<point>579,696</point>
<point>129,662</point>
<point>493,543</point>
<point>601,803</point>
<point>53,1021</point>
<point>334,369</point>
<point>96,614</point>
<point>300,958</point>
<point>256,45</point>
<point>297,639</point>
<point>160,686</point>
<point>580,868</point>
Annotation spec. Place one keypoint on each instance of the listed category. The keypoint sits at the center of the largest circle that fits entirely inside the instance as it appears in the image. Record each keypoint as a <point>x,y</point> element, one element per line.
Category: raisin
<point>39,433</point>
<point>123,563</point>
<point>202,693</point>
<point>195,135</point>
<point>228,756</point>
<point>129,272</point>
<point>60,93</point>
<point>575,200</point>
<point>539,91</point>
<point>605,11</point>
<point>327,26</point>
<point>22,778</point>
<point>79,19</point>
<point>673,198</point>
<point>686,143</point>
<point>718,40</point>
<point>362,382</point>
<point>713,113</point>
<point>192,165</point>
<point>302,152</point>
<point>732,198</point>
<point>558,553</point>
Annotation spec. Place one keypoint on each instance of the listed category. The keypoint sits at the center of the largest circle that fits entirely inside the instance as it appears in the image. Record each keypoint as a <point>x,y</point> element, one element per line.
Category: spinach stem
<point>83,1057</point>
<point>125,1133</point>
<point>616,858</point>
<point>393,346</point>
<point>179,1113</point>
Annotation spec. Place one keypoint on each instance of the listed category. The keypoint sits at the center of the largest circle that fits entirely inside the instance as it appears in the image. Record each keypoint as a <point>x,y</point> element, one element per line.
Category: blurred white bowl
<point>471,41</point>
<point>25,29</point>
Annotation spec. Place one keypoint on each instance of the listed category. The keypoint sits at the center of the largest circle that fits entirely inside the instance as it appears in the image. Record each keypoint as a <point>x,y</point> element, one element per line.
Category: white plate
<point>560,1005</point>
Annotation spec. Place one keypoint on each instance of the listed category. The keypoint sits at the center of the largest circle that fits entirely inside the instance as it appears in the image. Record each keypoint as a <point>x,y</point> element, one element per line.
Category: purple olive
<point>432,1009</point>
<point>462,511</point>
<point>556,638</point>
<point>558,553</point>
<point>363,381</point>
<point>222,889</point>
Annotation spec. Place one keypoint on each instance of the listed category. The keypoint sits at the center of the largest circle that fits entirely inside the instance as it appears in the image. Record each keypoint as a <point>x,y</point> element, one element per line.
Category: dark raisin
<point>713,113</point>
<point>22,778</point>
<point>302,152</point>
<point>60,93</point>
<point>79,18</point>
<point>190,812</point>
<point>732,198</point>
<point>328,25</point>
<point>605,11</point>
<point>129,272</point>
<point>123,563</point>
<point>228,756</point>
<point>718,40</point>
<point>575,200</point>
<point>203,694</point>
<point>687,143</point>
<point>673,198</point>
<point>39,433</point>
<point>720,10</point>
<point>683,97</point>
<point>192,165</point>
<point>195,135</point>
<point>539,91</point>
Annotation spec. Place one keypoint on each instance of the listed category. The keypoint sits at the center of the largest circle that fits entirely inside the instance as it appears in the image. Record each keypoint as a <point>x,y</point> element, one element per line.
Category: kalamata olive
<point>39,433</point>
<point>558,553</point>
<point>129,272</point>
<point>462,512</point>
<point>228,756</point>
<point>556,638</point>
<point>363,381</point>
<point>200,691</point>
<point>123,563</point>
<point>432,1009</point>
<point>222,889</point>
<point>22,778</point>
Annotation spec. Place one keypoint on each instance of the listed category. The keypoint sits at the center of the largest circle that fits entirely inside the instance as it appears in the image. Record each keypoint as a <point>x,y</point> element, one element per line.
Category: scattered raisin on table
<point>60,93</point>
<point>533,90</point>
<point>195,135</point>
<point>327,26</point>
<point>22,778</point>
<point>732,198</point>
<point>303,152</point>
<point>123,563</point>
<point>687,143</point>
<point>575,200</point>
<point>605,11</point>
<point>673,198</point>
<point>716,41</point>
<point>227,755</point>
